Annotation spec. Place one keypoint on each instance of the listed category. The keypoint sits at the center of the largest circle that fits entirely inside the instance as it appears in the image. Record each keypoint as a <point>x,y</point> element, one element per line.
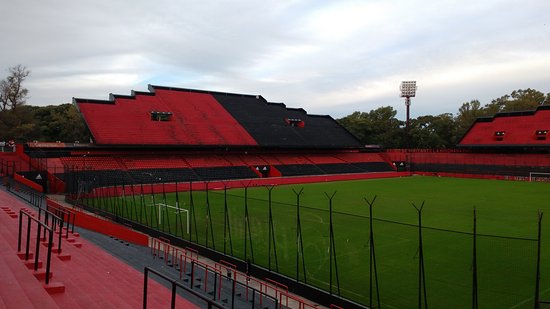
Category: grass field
<point>506,241</point>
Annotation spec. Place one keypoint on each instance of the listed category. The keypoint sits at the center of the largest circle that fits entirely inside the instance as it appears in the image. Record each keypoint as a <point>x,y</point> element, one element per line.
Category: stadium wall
<point>238,183</point>
<point>466,163</point>
<point>94,223</point>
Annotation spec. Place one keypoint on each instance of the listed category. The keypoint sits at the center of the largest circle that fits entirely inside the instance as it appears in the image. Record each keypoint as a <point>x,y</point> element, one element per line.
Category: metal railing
<point>40,226</point>
<point>66,215</point>
<point>174,285</point>
<point>212,279</point>
<point>54,222</point>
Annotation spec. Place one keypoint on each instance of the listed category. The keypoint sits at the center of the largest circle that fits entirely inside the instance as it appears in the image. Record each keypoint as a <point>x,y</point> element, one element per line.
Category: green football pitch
<point>506,241</point>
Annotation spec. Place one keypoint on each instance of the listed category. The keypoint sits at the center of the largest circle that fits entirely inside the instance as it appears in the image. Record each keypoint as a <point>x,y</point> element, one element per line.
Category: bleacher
<point>473,162</point>
<point>268,123</point>
<point>179,135</point>
<point>194,119</point>
<point>512,129</point>
<point>208,165</point>
<point>185,117</point>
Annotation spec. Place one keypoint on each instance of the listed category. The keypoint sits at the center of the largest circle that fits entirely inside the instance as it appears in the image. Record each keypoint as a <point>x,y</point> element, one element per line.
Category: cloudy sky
<point>328,57</point>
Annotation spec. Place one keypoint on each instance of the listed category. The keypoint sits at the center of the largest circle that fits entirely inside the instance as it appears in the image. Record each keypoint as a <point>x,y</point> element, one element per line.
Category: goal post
<point>178,211</point>
<point>539,177</point>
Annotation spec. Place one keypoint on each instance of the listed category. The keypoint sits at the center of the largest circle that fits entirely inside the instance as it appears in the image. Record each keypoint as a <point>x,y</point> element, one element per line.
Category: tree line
<point>23,123</point>
<point>381,127</point>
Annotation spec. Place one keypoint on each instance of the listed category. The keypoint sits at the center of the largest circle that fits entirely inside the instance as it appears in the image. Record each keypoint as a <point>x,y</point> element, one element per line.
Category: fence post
<point>192,210</point>
<point>372,257</point>
<point>247,231</point>
<point>421,270</point>
<point>474,264</point>
<point>226,223</point>
<point>537,277</point>
<point>271,232</point>
<point>332,246</point>
<point>209,220</point>
<point>299,241</point>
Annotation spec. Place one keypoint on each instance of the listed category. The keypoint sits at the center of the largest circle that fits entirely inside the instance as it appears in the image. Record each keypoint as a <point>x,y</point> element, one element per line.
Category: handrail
<point>56,221</point>
<point>217,281</point>
<point>38,234</point>
<point>63,212</point>
<point>174,285</point>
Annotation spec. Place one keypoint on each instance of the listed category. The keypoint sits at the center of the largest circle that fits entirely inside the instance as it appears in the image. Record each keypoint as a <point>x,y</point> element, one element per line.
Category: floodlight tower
<point>408,91</point>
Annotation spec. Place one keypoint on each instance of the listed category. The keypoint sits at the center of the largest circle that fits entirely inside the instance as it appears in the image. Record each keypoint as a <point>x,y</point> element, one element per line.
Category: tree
<point>61,123</point>
<point>433,131</point>
<point>518,100</point>
<point>377,127</point>
<point>467,114</point>
<point>12,92</point>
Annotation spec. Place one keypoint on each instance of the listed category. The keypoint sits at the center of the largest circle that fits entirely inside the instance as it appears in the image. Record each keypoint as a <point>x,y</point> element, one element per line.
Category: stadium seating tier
<point>194,118</point>
<point>529,128</point>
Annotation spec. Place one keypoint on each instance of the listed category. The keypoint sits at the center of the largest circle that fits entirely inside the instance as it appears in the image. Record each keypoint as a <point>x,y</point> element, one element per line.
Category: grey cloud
<point>280,49</point>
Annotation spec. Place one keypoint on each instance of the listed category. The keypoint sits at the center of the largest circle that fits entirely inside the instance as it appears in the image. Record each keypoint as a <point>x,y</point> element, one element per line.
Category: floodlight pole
<point>408,90</point>
<point>408,105</point>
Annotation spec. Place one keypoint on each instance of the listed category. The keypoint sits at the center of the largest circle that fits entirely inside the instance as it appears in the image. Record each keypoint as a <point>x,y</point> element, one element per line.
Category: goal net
<point>539,177</point>
<point>169,210</point>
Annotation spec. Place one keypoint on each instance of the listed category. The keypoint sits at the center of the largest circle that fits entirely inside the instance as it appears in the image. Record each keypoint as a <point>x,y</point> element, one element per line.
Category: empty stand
<point>299,169</point>
<point>475,163</point>
<point>266,123</point>
<point>196,119</point>
<point>527,128</point>
<point>147,162</point>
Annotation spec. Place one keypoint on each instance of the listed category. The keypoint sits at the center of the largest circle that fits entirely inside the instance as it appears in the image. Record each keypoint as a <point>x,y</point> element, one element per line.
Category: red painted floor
<point>91,277</point>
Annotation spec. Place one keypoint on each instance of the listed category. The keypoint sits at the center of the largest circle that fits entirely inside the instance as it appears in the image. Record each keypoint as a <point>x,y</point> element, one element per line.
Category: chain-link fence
<point>373,261</point>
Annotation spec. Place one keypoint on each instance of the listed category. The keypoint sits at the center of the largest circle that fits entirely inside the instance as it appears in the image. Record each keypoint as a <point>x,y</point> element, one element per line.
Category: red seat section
<point>92,163</point>
<point>511,129</point>
<point>192,118</point>
<point>207,121</point>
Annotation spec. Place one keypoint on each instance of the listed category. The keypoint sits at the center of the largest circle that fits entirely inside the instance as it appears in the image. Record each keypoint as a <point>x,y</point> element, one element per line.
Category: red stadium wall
<point>102,226</point>
<point>462,163</point>
<point>27,182</point>
<point>463,157</point>
<point>240,183</point>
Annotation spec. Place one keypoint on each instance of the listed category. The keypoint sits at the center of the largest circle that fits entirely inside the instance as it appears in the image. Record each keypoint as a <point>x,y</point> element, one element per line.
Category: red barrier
<point>239,183</point>
<point>99,225</point>
<point>27,182</point>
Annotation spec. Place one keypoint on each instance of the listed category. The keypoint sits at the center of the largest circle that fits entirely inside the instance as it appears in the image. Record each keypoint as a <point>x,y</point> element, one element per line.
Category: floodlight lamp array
<point>408,89</point>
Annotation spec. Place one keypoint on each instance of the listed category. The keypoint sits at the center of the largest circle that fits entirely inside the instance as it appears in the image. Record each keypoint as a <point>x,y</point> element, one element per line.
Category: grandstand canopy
<point>167,116</point>
<point>512,129</point>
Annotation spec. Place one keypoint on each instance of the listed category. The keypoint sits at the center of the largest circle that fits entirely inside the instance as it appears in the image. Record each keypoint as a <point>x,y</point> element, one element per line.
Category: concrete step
<point>41,274</point>
<point>54,287</point>
<point>30,264</point>
<point>22,255</point>
<point>19,288</point>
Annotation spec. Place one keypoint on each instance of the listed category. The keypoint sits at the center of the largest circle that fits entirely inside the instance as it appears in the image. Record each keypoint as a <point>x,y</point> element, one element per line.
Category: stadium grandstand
<point>170,139</point>
<point>510,145</point>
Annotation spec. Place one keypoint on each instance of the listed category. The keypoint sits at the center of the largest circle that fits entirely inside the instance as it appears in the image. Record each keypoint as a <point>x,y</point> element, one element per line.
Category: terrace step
<point>54,287</point>
<point>19,288</point>
<point>30,264</point>
<point>41,274</point>
<point>64,257</point>
<point>21,255</point>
